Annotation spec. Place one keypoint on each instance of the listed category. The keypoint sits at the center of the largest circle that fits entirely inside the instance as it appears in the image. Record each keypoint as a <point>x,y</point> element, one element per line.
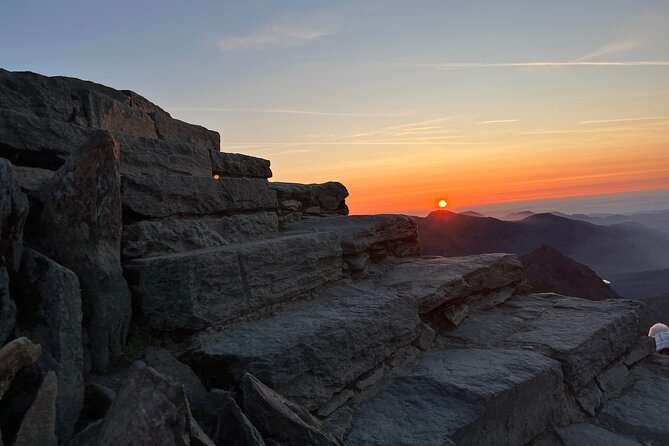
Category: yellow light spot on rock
<point>217,176</point>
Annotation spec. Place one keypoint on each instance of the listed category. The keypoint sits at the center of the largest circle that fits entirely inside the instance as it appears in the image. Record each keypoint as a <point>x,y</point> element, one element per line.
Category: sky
<point>484,104</point>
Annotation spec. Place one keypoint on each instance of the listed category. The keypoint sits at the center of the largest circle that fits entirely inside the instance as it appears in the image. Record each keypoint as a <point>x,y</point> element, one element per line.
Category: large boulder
<point>80,228</point>
<point>150,409</point>
<point>49,312</point>
<point>280,419</point>
<point>238,165</point>
<point>39,423</point>
<point>13,214</point>
<point>326,198</point>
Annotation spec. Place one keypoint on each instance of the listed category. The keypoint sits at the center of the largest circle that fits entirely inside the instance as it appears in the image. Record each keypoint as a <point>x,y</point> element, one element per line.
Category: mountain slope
<point>641,285</point>
<point>658,220</point>
<point>607,250</point>
<point>547,270</point>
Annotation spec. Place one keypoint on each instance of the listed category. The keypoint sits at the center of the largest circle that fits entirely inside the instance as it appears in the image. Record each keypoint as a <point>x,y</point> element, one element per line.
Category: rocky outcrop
<point>255,321</point>
<point>80,228</point>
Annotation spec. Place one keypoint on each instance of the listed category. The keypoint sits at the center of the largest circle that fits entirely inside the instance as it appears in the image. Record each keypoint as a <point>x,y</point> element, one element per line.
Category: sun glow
<point>443,203</point>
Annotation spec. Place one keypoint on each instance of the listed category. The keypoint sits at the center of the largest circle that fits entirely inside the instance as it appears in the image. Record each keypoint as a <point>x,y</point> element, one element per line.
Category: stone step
<point>315,349</point>
<point>150,238</point>
<point>585,336</point>
<point>161,196</point>
<point>198,289</point>
<point>317,352</point>
<point>365,237</point>
<point>464,396</point>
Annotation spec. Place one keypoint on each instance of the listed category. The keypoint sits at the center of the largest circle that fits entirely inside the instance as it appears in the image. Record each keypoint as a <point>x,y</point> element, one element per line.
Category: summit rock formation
<point>155,290</point>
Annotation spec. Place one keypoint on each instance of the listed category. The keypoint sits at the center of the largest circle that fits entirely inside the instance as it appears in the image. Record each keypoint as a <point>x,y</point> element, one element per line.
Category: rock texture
<point>14,356</point>
<point>13,213</point>
<point>39,424</point>
<point>80,228</point>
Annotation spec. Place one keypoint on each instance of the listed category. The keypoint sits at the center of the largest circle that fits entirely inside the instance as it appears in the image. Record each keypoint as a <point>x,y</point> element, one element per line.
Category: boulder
<point>590,398</point>
<point>613,379</point>
<point>206,287</point>
<point>13,214</point>
<point>39,423</point>
<point>280,419</point>
<point>80,228</point>
<point>150,238</point>
<point>238,165</point>
<point>643,348</point>
<point>329,197</point>
<point>149,409</point>
<point>49,312</point>
<point>585,336</point>
<point>13,357</point>
<point>435,281</point>
<point>161,196</point>
<point>32,179</point>
<point>591,435</point>
<point>464,396</point>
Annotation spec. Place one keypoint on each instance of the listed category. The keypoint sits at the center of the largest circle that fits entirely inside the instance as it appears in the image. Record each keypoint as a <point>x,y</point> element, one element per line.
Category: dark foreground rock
<point>13,357</point>
<point>39,424</point>
<point>13,214</point>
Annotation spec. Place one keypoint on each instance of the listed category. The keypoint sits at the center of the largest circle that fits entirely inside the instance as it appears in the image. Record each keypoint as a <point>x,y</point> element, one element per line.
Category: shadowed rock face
<point>80,228</point>
<point>547,270</point>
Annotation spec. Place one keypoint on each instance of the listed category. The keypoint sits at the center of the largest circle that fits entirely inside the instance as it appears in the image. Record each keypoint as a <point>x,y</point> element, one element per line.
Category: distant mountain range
<point>641,285</point>
<point>547,270</point>
<point>608,250</point>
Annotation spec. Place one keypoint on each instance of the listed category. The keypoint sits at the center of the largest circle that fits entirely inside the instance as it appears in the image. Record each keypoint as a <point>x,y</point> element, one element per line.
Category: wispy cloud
<point>290,112</point>
<point>611,48</point>
<point>537,64</point>
<point>283,32</point>
<point>606,121</point>
<point>499,121</point>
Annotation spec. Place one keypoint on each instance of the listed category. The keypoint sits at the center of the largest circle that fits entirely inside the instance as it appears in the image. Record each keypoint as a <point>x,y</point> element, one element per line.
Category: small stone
<point>14,356</point>
<point>590,398</point>
<point>455,315</point>
<point>291,205</point>
<point>613,379</point>
<point>425,337</point>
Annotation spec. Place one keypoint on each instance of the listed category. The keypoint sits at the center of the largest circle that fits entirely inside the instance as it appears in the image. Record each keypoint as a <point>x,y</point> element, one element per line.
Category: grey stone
<point>335,403</point>
<point>238,165</point>
<point>280,419</point>
<point>591,435</point>
<point>585,336</point>
<point>208,287</point>
<point>362,233</point>
<point>7,307</point>
<point>39,423</point>
<point>492,299</point>
<point>356,262</point>
<point>613,379</point>
<point>590,398</point>
<point>13,357</point>
<point>311,350</point>
<point>456,314</point>
<point>291,205</point>
<point>32,179</point>
<point>49,313</point>
<point>641,412</point>
<point>313,210</point>
<point>434,281</point>
<point>176,130</point>
<point>13,214</point>
<point>160,196</point>
<point>329,197</point>
<point>163,362</point>
<point>149,409</point>
<point>643,348</point>
<point>464,396</point>
<point>159,237</point>
<point>231,425</point>
<point>426,337</point>
<point>80,228</point>
<point>156,157</point>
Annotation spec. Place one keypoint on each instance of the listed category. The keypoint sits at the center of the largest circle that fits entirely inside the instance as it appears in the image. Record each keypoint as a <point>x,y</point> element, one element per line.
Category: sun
<point>443,203</point>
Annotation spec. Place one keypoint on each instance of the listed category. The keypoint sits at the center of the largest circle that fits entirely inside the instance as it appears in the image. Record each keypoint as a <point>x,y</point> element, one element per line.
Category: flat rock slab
<point>359,233</point>
<point>585,336</point>
<point>151,238</point>
<point>464,396</point>
<point>160,196</point>
<point>591,435</point>
<point>207,287</point>
<point>642,411</point>
<point>434,281</point>
<point>239,165</point>
<point>328,198</point>
<point>314,349</point>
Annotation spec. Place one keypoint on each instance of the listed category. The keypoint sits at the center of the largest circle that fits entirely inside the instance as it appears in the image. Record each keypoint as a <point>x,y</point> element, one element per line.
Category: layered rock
<point>297,200</point>
<point>80,228</point>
